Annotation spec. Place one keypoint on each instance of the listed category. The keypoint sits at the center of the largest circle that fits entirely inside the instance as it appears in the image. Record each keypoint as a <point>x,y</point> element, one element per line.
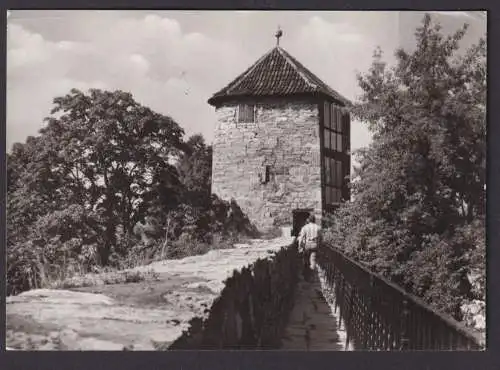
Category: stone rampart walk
<point>133,316</point>
<point>312,325</point>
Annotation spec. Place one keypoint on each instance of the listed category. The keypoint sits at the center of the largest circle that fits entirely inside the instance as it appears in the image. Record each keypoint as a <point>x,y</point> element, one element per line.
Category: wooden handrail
<point>379,315</point>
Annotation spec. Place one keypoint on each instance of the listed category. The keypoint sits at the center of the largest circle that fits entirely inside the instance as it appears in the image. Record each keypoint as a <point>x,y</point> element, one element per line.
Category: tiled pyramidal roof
<point>276,73</point>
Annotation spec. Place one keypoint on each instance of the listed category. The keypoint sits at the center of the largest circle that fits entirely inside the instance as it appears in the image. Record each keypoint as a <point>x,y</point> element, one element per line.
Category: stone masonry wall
<point>252,309</point>
<point>285,137</point>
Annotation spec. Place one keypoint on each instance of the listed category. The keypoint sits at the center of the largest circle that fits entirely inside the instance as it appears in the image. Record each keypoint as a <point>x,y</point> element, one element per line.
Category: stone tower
<point>282,142</point>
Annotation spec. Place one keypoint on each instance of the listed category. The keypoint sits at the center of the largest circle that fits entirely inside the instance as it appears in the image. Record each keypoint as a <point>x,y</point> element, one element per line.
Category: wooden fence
<point>378,315</point>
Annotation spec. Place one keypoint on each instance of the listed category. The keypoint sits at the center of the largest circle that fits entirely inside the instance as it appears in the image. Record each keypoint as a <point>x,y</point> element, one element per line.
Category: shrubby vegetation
<point>109,183</point>
<point>418,209</point>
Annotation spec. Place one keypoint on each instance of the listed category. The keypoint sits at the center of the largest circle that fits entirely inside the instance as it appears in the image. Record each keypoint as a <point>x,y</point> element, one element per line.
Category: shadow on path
<point>311,325</point>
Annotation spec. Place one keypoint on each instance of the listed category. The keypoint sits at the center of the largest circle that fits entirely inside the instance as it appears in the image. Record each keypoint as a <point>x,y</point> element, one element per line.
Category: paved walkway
<point>312,325</point>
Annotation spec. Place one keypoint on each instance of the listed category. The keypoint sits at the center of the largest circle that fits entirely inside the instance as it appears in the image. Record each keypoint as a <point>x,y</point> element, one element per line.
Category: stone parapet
<point>252,309</point>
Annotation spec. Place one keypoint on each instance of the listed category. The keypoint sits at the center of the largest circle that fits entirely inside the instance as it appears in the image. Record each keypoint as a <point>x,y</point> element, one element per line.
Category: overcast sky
<point>173,61</point>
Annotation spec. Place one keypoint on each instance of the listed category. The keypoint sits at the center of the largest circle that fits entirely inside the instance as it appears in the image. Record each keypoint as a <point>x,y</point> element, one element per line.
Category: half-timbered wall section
<point>336,159</point>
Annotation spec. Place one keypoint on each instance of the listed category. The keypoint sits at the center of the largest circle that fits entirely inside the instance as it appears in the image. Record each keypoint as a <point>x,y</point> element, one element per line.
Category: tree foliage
<point>195,170</point>
<point>105,176</point>
<point>419,202</point>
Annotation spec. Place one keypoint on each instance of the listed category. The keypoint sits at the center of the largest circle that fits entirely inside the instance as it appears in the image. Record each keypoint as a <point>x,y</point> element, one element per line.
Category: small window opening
<point>246,113</point>
<point>265,175</point>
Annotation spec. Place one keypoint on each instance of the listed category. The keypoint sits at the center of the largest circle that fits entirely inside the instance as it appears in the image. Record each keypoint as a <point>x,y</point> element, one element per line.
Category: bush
<point>104,278</point>
<point>446,270</point>
<point>60,244</point>
<point>23,271</point>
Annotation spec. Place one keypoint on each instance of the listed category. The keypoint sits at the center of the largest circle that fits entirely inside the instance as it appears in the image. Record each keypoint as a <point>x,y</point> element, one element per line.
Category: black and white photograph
<point>246,180</point>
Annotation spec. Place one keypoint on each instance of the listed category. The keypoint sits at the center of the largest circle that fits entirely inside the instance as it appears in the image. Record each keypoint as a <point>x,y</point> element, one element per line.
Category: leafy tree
<point>108,182</point>
<point>107,153</point>
<point>195,171</point>
<point>423,178</point>
<point>30,188</point>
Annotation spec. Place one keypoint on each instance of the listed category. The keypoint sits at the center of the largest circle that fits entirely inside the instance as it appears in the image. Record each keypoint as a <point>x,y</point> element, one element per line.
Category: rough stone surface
<point>252,310</point>
<point>285,137</point>
<point>132,316</point>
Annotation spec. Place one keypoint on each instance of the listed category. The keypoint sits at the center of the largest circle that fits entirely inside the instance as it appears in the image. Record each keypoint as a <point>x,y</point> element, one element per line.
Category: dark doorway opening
<point>299,219</point>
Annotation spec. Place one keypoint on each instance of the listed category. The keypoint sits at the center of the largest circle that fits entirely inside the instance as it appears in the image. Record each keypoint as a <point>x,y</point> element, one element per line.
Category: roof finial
<point>278,34</point>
